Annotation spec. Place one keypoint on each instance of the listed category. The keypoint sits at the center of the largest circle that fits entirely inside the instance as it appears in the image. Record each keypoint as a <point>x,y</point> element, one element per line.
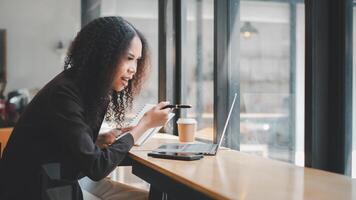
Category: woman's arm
<point>68,122</point>
<point>152,118</point>
<point>73,133</point>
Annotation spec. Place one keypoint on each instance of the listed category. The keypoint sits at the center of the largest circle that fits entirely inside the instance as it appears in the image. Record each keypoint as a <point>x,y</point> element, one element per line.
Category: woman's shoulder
<point>62,87</point>
<point>61,93</point>
<point>63,82</point>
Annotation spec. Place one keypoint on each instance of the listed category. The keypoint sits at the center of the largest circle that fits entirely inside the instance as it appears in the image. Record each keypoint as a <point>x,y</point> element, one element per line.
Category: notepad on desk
<point>150,132</point>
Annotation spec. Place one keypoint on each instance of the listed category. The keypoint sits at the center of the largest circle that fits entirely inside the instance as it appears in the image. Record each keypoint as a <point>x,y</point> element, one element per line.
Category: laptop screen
<point>227,121</point>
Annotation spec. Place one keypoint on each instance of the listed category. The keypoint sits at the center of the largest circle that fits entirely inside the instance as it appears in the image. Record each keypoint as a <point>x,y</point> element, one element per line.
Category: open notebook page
<point>146,135</point>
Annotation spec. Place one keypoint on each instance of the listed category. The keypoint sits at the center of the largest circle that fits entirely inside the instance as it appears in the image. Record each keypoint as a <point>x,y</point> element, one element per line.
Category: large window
<point>197,63</point>
<point>272,79</point>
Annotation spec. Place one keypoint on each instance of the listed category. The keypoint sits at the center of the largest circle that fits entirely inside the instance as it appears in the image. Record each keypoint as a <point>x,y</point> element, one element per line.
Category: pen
<point>177,106</point>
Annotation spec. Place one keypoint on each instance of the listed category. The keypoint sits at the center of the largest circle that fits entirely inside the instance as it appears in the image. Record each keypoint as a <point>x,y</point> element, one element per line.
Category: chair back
<point>4,137</point>
<point>55,188</point>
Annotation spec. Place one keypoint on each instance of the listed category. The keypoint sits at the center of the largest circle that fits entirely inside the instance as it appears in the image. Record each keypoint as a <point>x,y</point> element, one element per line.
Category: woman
<point>58,132</point>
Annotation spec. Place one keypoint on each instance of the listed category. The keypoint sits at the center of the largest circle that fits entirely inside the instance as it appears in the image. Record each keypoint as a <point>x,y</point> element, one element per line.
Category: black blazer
<point>54,129</point>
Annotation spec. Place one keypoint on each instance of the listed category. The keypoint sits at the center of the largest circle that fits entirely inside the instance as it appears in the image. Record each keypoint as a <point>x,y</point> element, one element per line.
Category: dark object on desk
<point>177,106</point>
<point>176,156</point>
<point>205,149</point>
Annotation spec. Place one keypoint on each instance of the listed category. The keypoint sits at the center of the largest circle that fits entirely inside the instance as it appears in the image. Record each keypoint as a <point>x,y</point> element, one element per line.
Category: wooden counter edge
<point>205,191</point>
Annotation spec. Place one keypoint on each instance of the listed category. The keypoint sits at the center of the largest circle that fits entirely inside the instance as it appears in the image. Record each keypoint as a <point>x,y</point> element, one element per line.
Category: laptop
<point>206,149</point>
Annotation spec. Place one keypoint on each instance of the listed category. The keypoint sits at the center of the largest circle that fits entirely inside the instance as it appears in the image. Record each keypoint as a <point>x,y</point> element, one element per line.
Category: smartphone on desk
<point>175,156</point>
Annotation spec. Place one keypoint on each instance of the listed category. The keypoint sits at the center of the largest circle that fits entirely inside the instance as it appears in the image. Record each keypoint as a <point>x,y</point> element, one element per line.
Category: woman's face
<point>127,66</point>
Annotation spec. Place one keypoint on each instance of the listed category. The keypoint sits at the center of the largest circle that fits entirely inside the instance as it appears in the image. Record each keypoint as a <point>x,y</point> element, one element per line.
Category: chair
<point>55,188</point>
<point>4,137</point>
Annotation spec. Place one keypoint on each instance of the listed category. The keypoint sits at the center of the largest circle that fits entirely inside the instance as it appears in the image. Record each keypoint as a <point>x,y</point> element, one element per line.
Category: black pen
<point>176,106</point>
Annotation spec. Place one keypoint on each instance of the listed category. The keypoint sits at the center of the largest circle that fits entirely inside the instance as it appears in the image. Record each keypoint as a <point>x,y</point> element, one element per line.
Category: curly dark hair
<point>94,55</point>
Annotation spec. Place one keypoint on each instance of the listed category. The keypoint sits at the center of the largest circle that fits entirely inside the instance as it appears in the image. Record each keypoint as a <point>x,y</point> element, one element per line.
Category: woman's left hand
<point>106,139</point>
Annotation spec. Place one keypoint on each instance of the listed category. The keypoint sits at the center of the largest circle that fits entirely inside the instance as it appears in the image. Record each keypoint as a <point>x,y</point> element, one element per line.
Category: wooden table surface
<point>235,175</point>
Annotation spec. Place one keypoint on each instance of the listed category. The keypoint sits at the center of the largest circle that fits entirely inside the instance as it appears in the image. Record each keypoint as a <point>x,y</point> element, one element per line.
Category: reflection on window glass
<point>143,14</point>
<point>197,65</point>
<point>272,80</point>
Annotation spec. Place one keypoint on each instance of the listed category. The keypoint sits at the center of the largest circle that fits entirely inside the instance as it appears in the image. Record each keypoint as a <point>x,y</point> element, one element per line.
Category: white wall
<point>34,27</point>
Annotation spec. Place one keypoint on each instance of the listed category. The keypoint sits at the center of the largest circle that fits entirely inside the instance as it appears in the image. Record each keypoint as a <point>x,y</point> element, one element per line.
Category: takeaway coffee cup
<point>186,129</point>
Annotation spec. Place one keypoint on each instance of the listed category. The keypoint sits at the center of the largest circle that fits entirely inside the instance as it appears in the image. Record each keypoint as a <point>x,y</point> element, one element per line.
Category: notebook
<point>146,135</point>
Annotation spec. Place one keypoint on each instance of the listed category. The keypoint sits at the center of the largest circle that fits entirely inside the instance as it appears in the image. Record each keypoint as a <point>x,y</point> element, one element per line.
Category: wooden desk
<point>235,175</point>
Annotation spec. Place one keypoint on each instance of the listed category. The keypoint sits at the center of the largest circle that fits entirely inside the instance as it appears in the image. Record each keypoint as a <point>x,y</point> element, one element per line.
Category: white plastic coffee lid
<point>186,121</point>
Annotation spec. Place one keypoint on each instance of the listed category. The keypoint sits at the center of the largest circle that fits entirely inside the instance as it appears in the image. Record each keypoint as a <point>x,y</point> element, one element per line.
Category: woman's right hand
<point>152,118</point>
<point>156,116</point>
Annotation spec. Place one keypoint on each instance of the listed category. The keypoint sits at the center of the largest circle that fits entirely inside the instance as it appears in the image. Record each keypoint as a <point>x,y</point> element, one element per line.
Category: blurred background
<point>266,63</point>
<point>37,33</point>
